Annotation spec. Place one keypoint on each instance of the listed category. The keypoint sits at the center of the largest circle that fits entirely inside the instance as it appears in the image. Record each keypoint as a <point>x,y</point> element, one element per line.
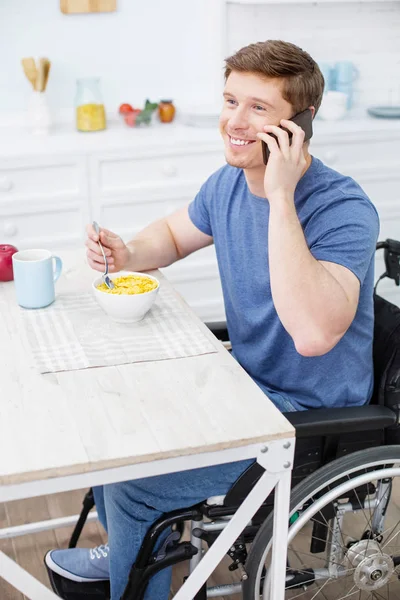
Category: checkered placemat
<point>75,333</point>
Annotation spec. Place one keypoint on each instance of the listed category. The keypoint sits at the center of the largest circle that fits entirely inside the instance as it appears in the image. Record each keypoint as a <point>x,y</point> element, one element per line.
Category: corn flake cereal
<point>129,285</point>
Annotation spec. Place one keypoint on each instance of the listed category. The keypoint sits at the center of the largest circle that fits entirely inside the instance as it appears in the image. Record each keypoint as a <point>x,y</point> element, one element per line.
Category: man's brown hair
<point>302,80</point>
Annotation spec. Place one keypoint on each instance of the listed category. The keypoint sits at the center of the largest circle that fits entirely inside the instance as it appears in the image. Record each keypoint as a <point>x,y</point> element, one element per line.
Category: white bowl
<point>125,308</point>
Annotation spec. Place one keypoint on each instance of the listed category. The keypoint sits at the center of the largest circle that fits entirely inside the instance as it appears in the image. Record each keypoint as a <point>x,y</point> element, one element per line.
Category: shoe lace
<point>99,551</point>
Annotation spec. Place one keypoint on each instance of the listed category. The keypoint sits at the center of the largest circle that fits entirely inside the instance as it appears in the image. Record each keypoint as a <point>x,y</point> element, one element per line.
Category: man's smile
<point>239,142</point>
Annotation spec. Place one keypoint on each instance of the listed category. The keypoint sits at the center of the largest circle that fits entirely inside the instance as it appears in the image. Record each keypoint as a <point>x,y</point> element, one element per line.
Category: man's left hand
<point>286,162</point>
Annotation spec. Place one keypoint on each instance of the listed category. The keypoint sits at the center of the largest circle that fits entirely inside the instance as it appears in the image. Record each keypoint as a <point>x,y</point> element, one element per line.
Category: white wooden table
<point>89,427</point>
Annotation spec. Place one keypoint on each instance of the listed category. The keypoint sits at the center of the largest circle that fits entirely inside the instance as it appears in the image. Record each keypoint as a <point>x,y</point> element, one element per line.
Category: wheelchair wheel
<point>344,533</point>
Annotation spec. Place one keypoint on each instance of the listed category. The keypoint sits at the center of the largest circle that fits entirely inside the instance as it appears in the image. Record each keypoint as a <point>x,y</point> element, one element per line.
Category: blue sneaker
<point>83,565</point>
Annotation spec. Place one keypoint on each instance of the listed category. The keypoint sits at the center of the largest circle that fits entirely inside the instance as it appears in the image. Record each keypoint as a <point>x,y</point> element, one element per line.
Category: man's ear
<point>312,108</point>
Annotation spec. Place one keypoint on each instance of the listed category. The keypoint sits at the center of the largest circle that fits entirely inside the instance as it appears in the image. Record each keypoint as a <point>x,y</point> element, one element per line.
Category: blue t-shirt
<point>340,225</point>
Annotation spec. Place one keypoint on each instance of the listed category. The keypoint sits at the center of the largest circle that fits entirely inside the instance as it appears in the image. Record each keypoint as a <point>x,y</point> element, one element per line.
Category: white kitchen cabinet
<point>131,189</point>
<point>197,279</point>
<point>136,172</point>
<point>374,162</point>
<point>43,201</point>
<point>37,226</point>
<point>49,189</point>
<point>30,178</point>
<point>356,153</point>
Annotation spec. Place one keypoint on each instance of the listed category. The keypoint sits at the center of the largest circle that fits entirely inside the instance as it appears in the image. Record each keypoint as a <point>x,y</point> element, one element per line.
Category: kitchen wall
<point>144,49</point>
<point>175,48</point>
<point>366,33</point>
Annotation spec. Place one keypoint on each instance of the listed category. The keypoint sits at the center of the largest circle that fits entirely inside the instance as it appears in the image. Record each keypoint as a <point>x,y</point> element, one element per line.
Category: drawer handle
<point>10,229</point>
<point>5,184</point>
<point>169,170</point>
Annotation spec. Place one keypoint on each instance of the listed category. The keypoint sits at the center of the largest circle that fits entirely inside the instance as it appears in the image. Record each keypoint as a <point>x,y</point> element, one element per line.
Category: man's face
<point>250,102</point>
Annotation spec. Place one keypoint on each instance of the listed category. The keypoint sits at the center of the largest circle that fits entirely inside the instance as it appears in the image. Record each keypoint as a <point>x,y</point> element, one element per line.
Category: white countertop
<point>118,136</point>
<point>64,139</point>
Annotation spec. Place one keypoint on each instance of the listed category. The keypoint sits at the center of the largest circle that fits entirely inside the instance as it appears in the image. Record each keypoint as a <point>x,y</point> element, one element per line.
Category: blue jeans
<point>127,510</point>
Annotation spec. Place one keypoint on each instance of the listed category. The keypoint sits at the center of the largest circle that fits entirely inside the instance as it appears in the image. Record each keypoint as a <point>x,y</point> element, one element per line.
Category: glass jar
<point>90,112</point>
<point>166,111</point>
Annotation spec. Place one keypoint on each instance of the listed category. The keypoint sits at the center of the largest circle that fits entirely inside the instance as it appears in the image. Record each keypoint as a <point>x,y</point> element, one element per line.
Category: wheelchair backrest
<point>386,354</point>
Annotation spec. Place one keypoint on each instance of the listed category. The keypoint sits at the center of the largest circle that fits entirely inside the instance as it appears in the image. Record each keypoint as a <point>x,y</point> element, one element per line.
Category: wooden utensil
<point>40,77</point>
<point>42,74</point>
<point>87,6</point>
<point>30,70</point>
<point>46,68</point>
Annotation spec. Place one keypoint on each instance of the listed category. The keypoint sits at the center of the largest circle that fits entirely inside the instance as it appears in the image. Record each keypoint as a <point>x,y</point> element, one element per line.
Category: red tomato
<point>130,118</point>
<point>125,109</point>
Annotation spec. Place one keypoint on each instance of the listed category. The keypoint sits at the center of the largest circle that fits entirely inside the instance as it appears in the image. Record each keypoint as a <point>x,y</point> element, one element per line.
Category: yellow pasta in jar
<point>90,117</point>
<point>129,285</point>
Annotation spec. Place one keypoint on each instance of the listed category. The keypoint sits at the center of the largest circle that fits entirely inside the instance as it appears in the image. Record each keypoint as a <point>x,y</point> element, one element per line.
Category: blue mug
<point>345,73</point>
<point>328,74</point>
<point>35,272</point>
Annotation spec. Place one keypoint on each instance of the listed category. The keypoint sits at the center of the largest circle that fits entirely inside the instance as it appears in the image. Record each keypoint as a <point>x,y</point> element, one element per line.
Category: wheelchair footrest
<point>73,590</point>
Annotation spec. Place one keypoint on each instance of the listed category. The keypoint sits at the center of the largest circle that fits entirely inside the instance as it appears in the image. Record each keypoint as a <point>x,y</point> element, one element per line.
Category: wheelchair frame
<point>322,436</point>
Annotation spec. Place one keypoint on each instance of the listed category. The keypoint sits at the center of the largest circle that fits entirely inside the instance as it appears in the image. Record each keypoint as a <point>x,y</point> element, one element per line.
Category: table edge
<point>82,468</point>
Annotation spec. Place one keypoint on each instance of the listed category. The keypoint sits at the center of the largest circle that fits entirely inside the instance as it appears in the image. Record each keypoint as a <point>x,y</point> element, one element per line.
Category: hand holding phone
<point>303,120</point>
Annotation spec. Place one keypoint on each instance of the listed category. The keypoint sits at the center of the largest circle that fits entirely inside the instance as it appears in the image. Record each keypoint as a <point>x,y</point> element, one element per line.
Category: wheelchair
<point>344,526</point>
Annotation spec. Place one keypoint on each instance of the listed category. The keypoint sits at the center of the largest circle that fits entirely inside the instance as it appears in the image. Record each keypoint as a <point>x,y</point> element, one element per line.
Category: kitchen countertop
<point>64,139</point>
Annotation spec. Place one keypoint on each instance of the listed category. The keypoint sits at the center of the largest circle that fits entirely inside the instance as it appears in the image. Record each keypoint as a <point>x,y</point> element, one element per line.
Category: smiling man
<point>295,245</point>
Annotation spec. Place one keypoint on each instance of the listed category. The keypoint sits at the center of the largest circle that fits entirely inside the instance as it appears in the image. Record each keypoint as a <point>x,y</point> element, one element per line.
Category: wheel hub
<point>373,568</point>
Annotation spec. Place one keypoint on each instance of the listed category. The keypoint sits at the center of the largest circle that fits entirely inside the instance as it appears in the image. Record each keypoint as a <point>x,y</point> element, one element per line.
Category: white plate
<point>384,112</point>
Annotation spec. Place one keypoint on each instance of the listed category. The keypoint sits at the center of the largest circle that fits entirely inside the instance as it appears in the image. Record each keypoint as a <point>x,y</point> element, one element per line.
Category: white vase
<point>39,119</point>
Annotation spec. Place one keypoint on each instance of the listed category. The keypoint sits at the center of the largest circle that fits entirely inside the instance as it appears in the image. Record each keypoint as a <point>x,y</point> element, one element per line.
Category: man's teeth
<point>239,142</point>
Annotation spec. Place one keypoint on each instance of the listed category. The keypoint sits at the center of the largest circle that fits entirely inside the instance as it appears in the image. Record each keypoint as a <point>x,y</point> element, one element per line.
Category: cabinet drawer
<point>344,156</point>
<point>128,218</point>
<point>45,179</point>
<point>121,174</point>
<point>129,215</point>
<point>204,297</point>
<point>196,278</point>
<point>382,187</point>
<point>41,228</point>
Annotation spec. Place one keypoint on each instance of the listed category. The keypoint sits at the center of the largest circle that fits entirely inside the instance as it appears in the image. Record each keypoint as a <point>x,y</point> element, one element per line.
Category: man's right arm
<point>158,245</point>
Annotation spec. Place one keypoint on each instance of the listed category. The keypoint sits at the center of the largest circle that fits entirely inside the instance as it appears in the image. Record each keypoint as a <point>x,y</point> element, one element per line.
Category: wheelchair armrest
<point>219,329</point>
<point>333,421</point>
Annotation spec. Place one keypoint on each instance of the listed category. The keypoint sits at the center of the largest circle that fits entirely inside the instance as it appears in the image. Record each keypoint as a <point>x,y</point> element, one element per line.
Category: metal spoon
<point>105,276</point>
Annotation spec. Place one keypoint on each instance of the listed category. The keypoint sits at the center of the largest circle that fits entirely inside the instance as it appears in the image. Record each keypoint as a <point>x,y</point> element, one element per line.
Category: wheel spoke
<point>374,526</point>
<point>306,590</point>
<point>329,580</point>
<point>328,525</point>
<point>392,538</point>
<point>351,592</point>
<point>369,521</point>
<point>313,557</point>
<point>321,588</point>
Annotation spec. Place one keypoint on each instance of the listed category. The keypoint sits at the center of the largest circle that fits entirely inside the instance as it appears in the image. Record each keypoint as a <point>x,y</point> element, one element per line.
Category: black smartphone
<point>303,120</point>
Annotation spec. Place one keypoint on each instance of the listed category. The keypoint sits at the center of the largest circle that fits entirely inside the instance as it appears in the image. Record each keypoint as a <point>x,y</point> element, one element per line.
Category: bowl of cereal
<point>131,298</point>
